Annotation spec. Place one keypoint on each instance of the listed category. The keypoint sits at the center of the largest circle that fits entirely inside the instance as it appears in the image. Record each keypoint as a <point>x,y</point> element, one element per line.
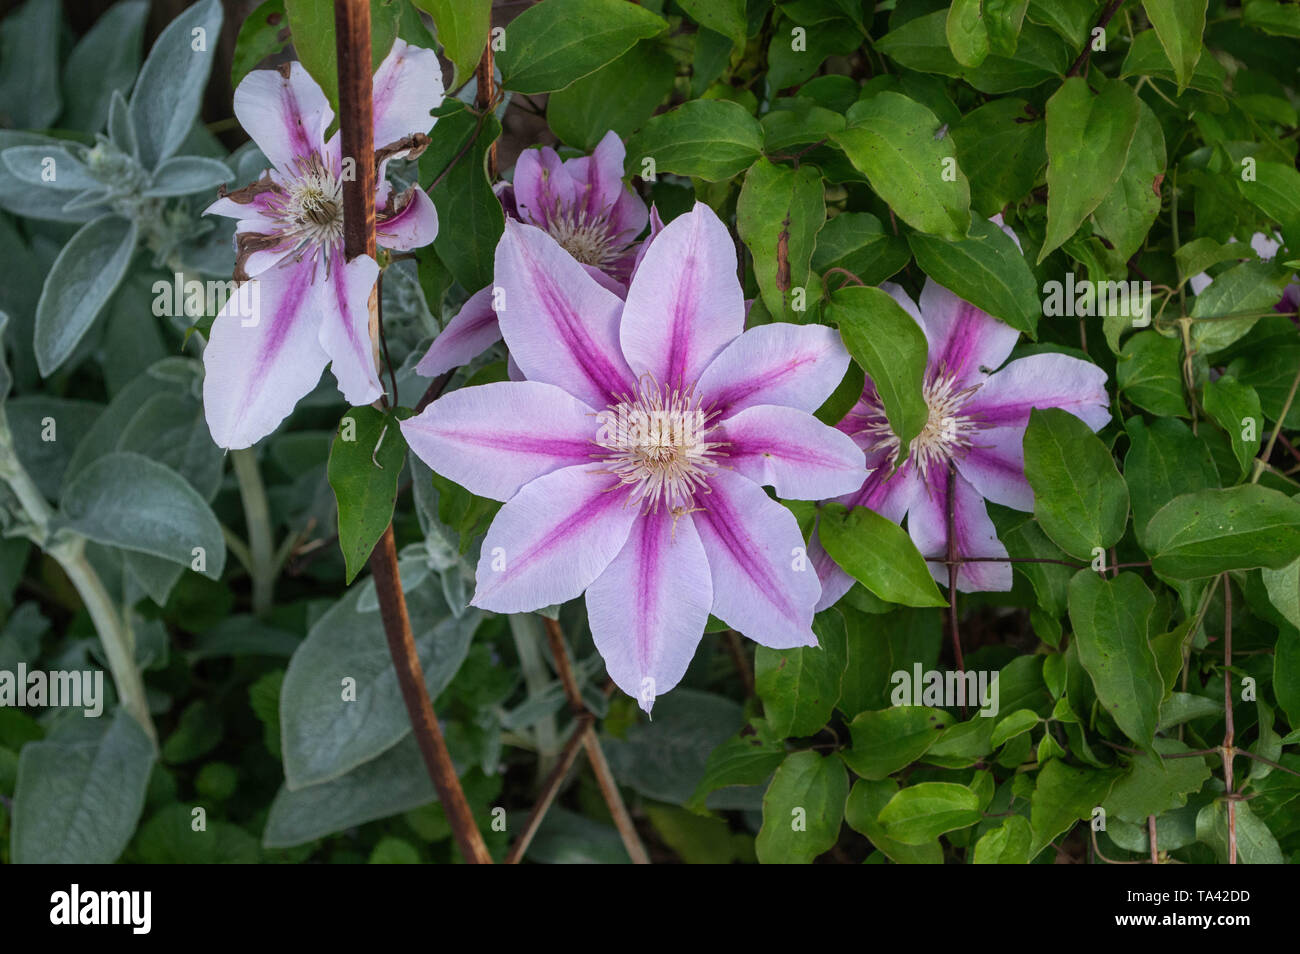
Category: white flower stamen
<point>656,443</point>
<point>309,209</point>
<point>948,432</point>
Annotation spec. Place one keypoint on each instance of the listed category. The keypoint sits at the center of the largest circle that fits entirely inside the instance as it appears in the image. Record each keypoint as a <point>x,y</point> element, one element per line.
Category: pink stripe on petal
<point>791,451</point>
<point>685,304</point>
<point>561,326</point>
<point>263,356</point>
<point>794,365</point>
<point>494,438</point>
<point>964,341</point>
<point>995,467</point>
<point>1042,381</point>
<point>285,112</point>
<point>415,226</point>
<point>342,301</point>
<point>469,334</point>
<point>649,608</point>
<point>927,524</point>
<point>763,584</point>
<point>407,86</point>
<point>552,540</point>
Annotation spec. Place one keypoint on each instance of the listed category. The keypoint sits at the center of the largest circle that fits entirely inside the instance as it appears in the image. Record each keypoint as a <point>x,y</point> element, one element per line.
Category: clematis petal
<point>964,341</point>
<point>407,85</point>
<point>561,326</point>
<point>411,221</point>
<point>494,438</point>
<point>762,583</point>
<point>285,113</point>
<point>469,334</point>
<point>608,195</point>
<point>888,492</point>
<point>927,524</point>
<point>685,304</point>
<point>552,540</point>
<point>1042,381</point>
<point>342,299</point>
<point>542,184</point>
<point>656,227</point>
<point>649,608</point>
<point>795,365</point>
<point>263,356</point>
<point>995,467</point>
<point>792,451</point>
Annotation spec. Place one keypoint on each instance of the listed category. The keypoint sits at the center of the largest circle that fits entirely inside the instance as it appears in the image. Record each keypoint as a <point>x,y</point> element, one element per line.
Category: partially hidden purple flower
<point>300,306</point>
<point>630,458</point>
<point>1266,247</point>
<point>977,421</point>
<point>583,204</point>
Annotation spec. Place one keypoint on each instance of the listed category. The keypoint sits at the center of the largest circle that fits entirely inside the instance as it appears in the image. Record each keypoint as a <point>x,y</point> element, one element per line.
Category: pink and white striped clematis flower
<point>583,204</point>
<point>300,306</point>
<point>631,457</point>
<point>977,422</point>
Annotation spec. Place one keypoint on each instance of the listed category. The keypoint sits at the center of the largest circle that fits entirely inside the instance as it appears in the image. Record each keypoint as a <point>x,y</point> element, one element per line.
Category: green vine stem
<point>257,517</point>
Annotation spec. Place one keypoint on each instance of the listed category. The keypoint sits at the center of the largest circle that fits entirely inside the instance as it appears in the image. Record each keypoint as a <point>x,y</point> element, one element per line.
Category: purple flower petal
<point>888,492</point>
<point>927,523</point>
<point>407,85</point>
<point>964,341</point>
<point>795,365</point>
<point>685,304</point>
<point>763,584</point>
<point>551,540</point>
<point>541,185</point>
<point>413,225</point>
<point>494,438</point>
<point>342,300</point>
<point>835,582</point>
<point>649,608</point>
<point>792,451</point>
<point>561,326</point>
<point>263,356</point>
<point>995,467</point>
<point>607,194</point>
<point>1042,381</point>
<point>285,112</point>
<point>469,334</point>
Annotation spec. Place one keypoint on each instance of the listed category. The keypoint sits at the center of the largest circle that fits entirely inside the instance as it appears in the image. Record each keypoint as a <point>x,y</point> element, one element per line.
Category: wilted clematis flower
<point>977,421</point>
<point>583,204</point>
<point>630,459</point>
<point>306,307</point>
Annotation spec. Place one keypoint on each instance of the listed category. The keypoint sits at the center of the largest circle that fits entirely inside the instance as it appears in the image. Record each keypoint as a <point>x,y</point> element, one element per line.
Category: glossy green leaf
<point>879,554</point>
<point>887,740</point>
<point>803,809</point>
<point>1212,531</point>
<point>365,463</point>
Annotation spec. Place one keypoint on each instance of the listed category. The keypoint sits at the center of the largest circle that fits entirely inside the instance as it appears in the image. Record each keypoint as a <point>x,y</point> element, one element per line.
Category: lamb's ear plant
<point>742,430</point>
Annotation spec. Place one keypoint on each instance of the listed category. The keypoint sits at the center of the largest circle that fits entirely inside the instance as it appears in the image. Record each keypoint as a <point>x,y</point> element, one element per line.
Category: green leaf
<point>708,138</point>
<point>340,705</point>
<point>1179,25</point>
<point>778,215</point>
<point>861,812</point>
<point>262,34</point>
<point>464,195</point>
<point>890,346</point>
<point>858,243</point>
<point>1235,408</point>
<point>1008,844</point>
<point>80,792</point>
<point>79,284</point>
<point>722,16</point>
<point>1088,140</point>
<point>619,97</point>
<point>968,37</point>
<point>986,270</point>
<point>1286,670</point>
<point>887,740</point>
<point>129,501</point>
<point>551,44</point>
<point>1165,459</point>
<point>1149,373</point>
<point>104,62</point>
<point>1004,20</point>
<point>1147,58</point>
<point>799,688</point>
<point>1003,150</point>
<point>1212,531</point>
<point>364,465</point>
<point>1255,843</point>
<point>169,89</point>
<point>1153,786</point>
<point>463,27</point>
<point>1015,724</point>
<point>1080,499</point>
<point>879,554</point>
<point>1248,287</point>
<point>741,760</point>
<point>1283,588</point>
<point>1127,212</point>
<point>312,24</point>
<point>29,64</point>
<point>926,810</point>
<point>898,145</point>
<point>802,809</point>
<point>1110,619</point>
<point>1063,795</point>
